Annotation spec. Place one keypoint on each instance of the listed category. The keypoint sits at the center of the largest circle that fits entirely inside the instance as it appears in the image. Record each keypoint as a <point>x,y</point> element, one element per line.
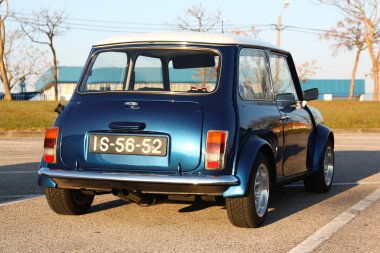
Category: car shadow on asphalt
<point>19,180</point>
<point>350,167</point>
<point>199,204</point>
<point>108,205</point>
<point>20,167</point>
<point>288,200</point>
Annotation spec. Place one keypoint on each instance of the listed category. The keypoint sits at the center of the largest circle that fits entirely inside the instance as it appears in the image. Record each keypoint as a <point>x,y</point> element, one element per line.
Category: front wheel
<point>68,201</point>
<point>321,180</point>
<point>251,211</point>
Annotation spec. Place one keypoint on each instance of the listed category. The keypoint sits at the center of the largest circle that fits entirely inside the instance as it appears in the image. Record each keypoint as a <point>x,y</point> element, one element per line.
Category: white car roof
<point>186,37</point>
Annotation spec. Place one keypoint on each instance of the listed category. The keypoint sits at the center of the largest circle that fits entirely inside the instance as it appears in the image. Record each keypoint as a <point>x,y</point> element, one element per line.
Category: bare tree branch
<point>47,25</point>
<point>365,14</point>
<point>204,22</point>
<point>253,32</point>
<point>307,70</point>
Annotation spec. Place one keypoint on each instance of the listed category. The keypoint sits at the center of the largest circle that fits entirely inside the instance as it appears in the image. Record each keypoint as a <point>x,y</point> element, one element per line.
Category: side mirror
<point>285,97</point>
<point>59,108</point>
<point>311,94</point>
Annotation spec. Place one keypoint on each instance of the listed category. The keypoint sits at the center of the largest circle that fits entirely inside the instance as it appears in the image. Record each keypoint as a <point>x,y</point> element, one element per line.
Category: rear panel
<point>182,119</point>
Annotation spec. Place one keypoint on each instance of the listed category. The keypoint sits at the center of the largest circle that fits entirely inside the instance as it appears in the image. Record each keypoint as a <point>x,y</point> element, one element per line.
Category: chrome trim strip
<point>141,178</point>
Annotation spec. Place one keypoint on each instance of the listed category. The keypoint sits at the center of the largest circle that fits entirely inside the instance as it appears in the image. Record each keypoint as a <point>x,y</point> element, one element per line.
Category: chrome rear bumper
<point>152,183</point>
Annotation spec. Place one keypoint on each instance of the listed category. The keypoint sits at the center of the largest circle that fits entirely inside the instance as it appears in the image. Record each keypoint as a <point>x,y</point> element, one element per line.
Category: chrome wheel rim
<point>328,165</point>
<point>261,190</point>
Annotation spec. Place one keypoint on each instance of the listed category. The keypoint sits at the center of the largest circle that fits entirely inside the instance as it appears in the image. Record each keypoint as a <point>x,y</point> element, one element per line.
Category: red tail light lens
<point>50,145</point>
<point>215,149</point>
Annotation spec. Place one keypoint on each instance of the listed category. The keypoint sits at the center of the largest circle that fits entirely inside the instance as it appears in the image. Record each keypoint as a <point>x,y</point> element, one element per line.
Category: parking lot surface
<point>296,218</point>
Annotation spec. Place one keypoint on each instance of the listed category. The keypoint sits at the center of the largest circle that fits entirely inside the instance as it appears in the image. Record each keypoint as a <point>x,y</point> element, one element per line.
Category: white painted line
<point>342,183</point>
<point>324,233</point>
<point>18,172</point>
<point>356,146</point>
<point>374,136</point>
<point>19,196</point>
<point>357,183</point>
<point>26,198</point>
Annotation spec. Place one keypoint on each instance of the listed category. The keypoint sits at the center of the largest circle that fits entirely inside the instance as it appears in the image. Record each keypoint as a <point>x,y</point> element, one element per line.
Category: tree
<point>366,13</point>
<point>21,62</point>
<point>3,71</point>
<point>49,25</point>
<point>205,22</point>
<point>348,35</point>
<point>306,70</point>
<point>252,32</point>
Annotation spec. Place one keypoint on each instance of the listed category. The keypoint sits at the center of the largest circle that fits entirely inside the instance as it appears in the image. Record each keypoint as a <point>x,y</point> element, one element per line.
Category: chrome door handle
<point>285,117</point>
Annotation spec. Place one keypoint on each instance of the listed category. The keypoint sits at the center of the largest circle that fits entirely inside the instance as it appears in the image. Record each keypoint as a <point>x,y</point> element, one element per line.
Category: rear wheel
<point>321,180</point>
<point>67,201</point>
<point>251,211</point>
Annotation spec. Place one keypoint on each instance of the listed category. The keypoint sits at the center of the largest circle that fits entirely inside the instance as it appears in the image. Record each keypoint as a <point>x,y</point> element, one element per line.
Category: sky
<point>74,47</point>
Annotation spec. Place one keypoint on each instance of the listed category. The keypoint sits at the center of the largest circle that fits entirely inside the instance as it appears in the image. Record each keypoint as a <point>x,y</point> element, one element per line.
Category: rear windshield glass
<point>153,70</point>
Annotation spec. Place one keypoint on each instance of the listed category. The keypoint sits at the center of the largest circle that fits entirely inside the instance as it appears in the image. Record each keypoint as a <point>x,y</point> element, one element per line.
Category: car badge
<point>132,105</point>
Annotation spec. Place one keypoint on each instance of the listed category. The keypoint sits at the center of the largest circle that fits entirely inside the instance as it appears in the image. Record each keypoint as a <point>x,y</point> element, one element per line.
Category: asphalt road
<point>346,217</point>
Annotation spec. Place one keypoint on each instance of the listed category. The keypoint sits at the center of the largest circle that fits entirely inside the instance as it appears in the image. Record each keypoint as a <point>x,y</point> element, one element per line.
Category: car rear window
<point>153,70</point>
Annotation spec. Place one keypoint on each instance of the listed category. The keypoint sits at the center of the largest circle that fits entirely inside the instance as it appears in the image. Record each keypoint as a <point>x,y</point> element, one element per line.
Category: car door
<point>296,121</point>
<point>258,112</point>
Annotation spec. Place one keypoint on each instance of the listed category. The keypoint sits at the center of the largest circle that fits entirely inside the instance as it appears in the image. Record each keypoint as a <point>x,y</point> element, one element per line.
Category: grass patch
<point>39,115</point>
<point>27,115</point>
<point>349,114</point>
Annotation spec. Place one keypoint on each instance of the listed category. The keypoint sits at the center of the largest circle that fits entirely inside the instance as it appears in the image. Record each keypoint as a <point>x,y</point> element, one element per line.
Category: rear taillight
<point>50,145</point>
<point>215,149</point>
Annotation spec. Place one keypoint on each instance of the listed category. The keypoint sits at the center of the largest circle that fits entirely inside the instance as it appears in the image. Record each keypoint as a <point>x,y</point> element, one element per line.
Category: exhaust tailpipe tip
<point>115,192</point>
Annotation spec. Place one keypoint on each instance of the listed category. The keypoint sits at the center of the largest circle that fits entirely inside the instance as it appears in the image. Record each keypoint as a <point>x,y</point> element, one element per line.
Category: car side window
<point>108,72</point>
<point>148,74</point>
<point>253,75</point>
<point>283,84</point>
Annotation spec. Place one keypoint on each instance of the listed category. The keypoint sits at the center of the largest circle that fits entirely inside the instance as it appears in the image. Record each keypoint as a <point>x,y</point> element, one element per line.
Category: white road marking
<point>324,233</point>
<point>374,137</point>
<point>351,146</point>
<point>24,198</point>
<point>19,196</point>
<point>341,183</point>
<point>18,172</point>
<point>357,183</point>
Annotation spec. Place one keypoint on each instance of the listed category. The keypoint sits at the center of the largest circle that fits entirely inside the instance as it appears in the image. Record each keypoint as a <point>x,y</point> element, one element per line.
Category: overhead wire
<point>138,27</point>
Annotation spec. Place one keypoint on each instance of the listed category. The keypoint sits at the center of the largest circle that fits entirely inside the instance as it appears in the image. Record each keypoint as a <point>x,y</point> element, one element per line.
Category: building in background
<point>335,89</point>
<point>68,78</point>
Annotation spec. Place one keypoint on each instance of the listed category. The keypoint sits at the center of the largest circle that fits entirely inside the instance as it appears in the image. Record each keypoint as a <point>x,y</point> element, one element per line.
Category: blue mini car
<point>186,113</point>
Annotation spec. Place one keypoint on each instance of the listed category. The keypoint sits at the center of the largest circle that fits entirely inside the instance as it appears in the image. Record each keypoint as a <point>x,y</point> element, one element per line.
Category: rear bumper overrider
<point>145,183</point>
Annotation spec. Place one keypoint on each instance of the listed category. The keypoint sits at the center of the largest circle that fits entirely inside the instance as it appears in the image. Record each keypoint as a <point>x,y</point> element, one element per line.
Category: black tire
<point>242,211</point>
<point>317,181</point>
<point>68,202</point>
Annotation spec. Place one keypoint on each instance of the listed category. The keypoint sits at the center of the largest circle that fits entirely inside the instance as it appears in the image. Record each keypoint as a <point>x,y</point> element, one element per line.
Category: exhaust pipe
<point>141,199</point>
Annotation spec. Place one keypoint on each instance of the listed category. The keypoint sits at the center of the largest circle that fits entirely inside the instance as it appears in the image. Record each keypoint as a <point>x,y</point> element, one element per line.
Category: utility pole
<point>279,31</point>
<point>279,28</point>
